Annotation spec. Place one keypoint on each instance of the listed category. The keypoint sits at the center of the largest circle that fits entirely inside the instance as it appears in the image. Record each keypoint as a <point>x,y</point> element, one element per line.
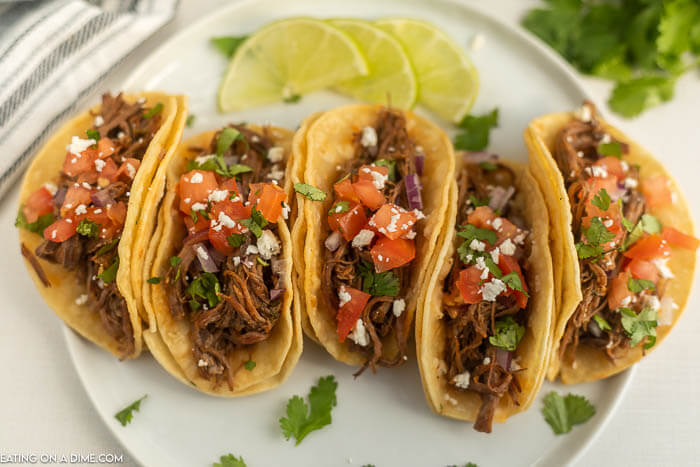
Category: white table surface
<point>44,408</point>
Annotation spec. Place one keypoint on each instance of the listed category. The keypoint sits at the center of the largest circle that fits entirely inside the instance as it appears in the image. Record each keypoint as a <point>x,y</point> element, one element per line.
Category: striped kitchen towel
<point>54,52</point>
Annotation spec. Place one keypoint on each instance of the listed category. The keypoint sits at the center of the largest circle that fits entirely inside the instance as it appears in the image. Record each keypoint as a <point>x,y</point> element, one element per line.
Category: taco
<point>80,202</point>
<point>483,330</point>
<point>370,240</point>
<point>625,238</point>
<point>220,279</point>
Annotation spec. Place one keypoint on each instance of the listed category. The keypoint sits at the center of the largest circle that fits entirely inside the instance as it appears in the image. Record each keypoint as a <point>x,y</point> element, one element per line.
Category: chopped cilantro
<point>488,166</point>
<point>508,334</point>
<point>475,131</point>
<point>596,236</point>
<point>471,232</point>
<point>631,98</point>
<point>190,120</point>
<point>647,223</point>
<point>226,138</point>
<point>612,148</point>
<point>640,326</point>
<point>602,323</point>
<point>107,248</point>
<point>562,413</point>
<point>194,216</point>
<point>236,240</point>
<point>37,226</point>
<point>205,287</point>
<point>302,419</point>
<point>262,261</point>
<point>389,164</point>
<point>153,111</point>
<point>255,223</point>
<point>339,208</point>
<point>293,99</point>
<point>88,228</point>
<point>230,460</point>
<point>154,280</point>
<point>476,202</point>
<point>175,261</point>
<point>93,134</point>
<point>228,45</point>
<point>309,191</point>
<point>110,274</point>
<point>126,414</point>
<point>379,284</point>
<point>249,365</point>
<point>512,280</point>
<point>637,285</point>
<point>602,200</point>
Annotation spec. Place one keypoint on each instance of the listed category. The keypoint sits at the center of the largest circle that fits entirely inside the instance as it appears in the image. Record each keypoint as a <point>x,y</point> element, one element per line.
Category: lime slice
<point>286,59</point>
<point>391,78</point>
<point>447,81</point>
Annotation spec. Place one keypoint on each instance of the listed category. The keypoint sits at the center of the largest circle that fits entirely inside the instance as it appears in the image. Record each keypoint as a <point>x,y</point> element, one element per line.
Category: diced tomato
<point>60,231</point>
<point>612,165</point>
<point>348,223</point>
<point>389,254</point>
<point>233,211</point>
<point>230,185</point>
<point>369,195</point>
<point>365,172</point>
<point>218,240</point>
<point>649,247</point>
<point>468,284</point>
<point>198,192</point>
<point>343,189</point>
<point>656,191</point>
<point>38,204</point>
<point>109,171</point>
<point>267,198</point>
<point>677,238</point>
<point>351,311</point>
<point>105,148</point>
<point>506,230</point>
<point>117,213</point>
<point>104,218</point>
<point>618,290</point>
<point>202,224</point>
<point>75,165</point>
<point>482,217</point>
<point>393,228</point>
<point>127,171</point>
<point>641,269</point>
<point>236,210</point>
<point>594,186</point>
<point>509,264</point>
<point>75,196</point>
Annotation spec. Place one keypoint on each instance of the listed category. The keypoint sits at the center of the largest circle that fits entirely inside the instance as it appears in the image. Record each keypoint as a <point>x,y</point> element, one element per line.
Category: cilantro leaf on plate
<point>562,413</point>
<point>127,413</point>
<point>230,460</point>
<point>475,131</point>
<point>303,418</point>
<point>228,45</point>
<point>631,98</point>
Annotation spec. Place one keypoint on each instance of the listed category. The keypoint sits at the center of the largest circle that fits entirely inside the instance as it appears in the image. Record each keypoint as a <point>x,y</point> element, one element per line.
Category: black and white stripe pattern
<point>52,53</point>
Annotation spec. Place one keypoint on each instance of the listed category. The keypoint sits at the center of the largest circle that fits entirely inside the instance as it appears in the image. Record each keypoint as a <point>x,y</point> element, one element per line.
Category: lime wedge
<point>286,59</point>
<point>391,78</point>
<point>447,81</point>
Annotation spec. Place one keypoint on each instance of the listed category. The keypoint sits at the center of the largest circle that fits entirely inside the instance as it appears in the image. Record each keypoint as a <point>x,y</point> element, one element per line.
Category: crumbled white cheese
<point>497,224</point>
<point>605,139</point>
<point>359,334</point>
<point>51,188</point>
<point>197,178</point>
<point>285,210</point>
<point>131,170</point>
<point>507,247</point>
<point>398,307</point>
<point>99,165</point>
<point>217,195</point>
<point>608,223</point>
<point>344,296</point>
<point>492,289</point>
<point>494,254</point>
<point>409,236</point>
<point>199,207</point>
<point>378,179</point>
<point>276,173</point>
<point>584,113</point>
<point>662,265</point>
<point>363,238</point>
<point>477,245</point>
<point>79,145</point>
<point>462,380</point>
<point>251,250</point>
<point>81,300</point>
<point>99,121</point>
<point>520,238</point>
<point>481,265</point>
<point>202,252</point>
<point>120,135</point>
<point>625,166</point>
<point>225,221</point>
<point>631,183</point>
<point>236,260</point>
<point>477,42</point>
<point>369,137</point>
<point>597,171</point>
<point>268,245</point>
<point>487,360</point>
<point>652,301</point>
<point>275,154</point>
<point>419,214</point>
<point>626,301</point>
<point>419,149</point>
<point>81,209</point>
<point>201,363</point>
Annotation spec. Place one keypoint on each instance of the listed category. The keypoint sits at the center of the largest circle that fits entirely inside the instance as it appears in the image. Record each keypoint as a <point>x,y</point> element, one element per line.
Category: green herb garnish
<point>37,226</point>
<point>389,164</point>
<point>647,223</point>
<point>379,284</point>
<point>471,232</point>
<point>512,280</point>
<point>230,460</point>
<point>596,236</point>
<point>339,208</point>
<point>476,202</point>
<point>93,134</point>
<point>228,45</point>
<point>638,285</point>
<point>612,148</point>
<point>640,326</point>
<point>602,323</point>
<point>508,334</point>
<point>153,111</point>
<point>154,280</point>
<point>127,414</point>
<point>475,131</point>
<point>293,99</point>
<point>309,191</point>
<point>190,120</point>
<point>249,365</point>
<point>110,274</point>
<point>205,287</point>
<point>562,413</point>
<point>88,228</point>
<point>302,419</point>
<point>602,200</point>
<point>488,166</point>
<point>236,240</point>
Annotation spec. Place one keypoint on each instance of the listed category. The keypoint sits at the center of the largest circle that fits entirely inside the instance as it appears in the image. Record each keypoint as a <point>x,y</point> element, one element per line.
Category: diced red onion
<point>413,189</point>
<point>217,256</point>
<point>504,357</point>
<point>205,258</point>
<point>278,266</point>
<point>60,196</point>
<point>477,157</point>
<point>420,164</point>
<point>594,328</point>
<point>500,197</point>
<point>102,198</point>
<point>333,241</point>
<point>201,236</point>
<point>276,293</point>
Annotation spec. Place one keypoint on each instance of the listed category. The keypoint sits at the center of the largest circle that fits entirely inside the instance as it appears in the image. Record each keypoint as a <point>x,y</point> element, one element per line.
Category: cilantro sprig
<point>37,226</point>
<point>596,235</point>
<point>88,228</point>
<point>303,418</point>
<point>475,130</point>
<point>127,413</point>
<point>562,413</point>
<point>379,284</point>
<point>205,288</point>
<point>255,222</point>
<point>109,275</point>
<point>310,192</point>
<point>640,326</point>
<point>229,460</point>
<point>508,334</point>
<point>646,224</point>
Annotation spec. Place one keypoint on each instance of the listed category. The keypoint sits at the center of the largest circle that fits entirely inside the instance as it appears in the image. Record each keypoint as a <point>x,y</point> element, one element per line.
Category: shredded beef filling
<point>341,267</point>
<point>246,313</point>
<point>469,326</point>
<point>576,149</point>
<point>131,133</point>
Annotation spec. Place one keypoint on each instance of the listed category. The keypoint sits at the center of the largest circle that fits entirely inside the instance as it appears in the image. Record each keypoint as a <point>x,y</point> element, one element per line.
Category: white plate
<point>380,419</point>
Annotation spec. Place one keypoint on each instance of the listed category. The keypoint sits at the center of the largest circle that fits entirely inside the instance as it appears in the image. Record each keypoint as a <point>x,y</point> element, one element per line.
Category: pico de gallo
<point>81,214</point>
<point>485,295</point>
<point>623,249</point>
<point>227,279</point>
<point>369,252</point>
